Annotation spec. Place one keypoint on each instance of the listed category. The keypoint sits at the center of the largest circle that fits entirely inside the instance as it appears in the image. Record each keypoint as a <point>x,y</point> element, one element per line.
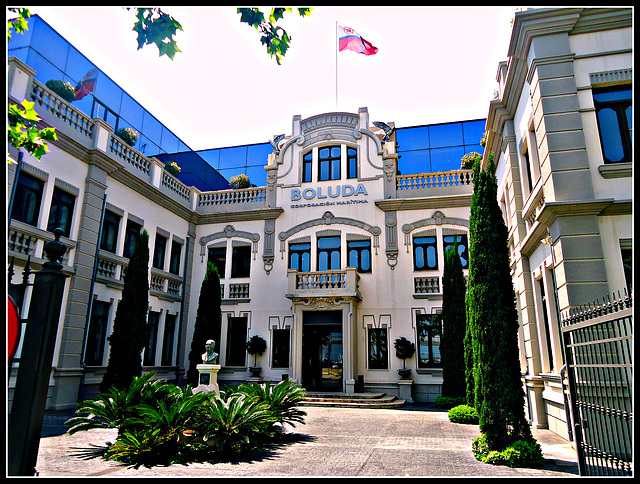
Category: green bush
<point>63,89</point>
<point>447,403</point>
<point>520,453</point>
<point>161,424</point>
<point>463,414</point>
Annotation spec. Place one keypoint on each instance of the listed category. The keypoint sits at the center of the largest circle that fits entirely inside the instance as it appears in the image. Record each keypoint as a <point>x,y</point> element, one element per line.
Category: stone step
<point>352,400</point>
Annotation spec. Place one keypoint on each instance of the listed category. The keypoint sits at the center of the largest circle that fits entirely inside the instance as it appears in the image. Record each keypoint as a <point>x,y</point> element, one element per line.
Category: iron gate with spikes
<point>598,343</point>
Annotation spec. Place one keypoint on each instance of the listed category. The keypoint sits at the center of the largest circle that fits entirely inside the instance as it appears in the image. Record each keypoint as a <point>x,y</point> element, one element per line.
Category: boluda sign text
<point>298,194</point>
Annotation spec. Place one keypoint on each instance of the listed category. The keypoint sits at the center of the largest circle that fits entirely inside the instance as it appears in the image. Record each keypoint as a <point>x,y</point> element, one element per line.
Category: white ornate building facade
<point>338,254</point>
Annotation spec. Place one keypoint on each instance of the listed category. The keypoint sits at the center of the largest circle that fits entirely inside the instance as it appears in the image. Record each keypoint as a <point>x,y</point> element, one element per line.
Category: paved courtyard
<point>417,440</point>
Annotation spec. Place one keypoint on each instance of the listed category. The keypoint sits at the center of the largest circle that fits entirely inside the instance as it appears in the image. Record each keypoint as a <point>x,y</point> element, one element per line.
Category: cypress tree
<point>129,336</point>
<point>492,319</point>
<point>453,325</point>
<point>208,321</point>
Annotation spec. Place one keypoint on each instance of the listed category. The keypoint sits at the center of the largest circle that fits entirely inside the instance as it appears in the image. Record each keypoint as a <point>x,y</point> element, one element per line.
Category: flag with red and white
<point>350,40</point>
<point>87,84</point>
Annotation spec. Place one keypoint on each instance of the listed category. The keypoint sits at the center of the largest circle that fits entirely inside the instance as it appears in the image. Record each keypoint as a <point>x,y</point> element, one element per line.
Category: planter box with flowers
<point>62,88</point>
<point>128,135</point>
<point>172,167</point>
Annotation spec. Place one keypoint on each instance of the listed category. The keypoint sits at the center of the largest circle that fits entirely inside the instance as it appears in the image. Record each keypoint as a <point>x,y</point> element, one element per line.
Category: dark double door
<point>322,351</point>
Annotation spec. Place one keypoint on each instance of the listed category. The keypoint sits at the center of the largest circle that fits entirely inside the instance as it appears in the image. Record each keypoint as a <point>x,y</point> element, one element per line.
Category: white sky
<point>434,65</point>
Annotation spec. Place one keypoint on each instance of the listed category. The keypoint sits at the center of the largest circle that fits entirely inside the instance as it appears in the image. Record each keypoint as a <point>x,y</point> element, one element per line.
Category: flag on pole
<point>86,84</point>
<point>350,40</point>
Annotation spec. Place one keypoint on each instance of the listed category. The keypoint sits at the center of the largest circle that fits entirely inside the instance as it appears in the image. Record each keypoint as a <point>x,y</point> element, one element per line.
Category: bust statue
<point>210,356</point>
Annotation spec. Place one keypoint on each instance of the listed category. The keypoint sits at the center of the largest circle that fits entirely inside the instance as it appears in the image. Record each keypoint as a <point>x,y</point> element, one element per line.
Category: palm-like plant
<point>282,399</point>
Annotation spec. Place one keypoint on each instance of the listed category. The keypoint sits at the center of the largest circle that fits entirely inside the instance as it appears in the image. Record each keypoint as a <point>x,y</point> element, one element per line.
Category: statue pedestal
<point>405,390</point>
<point>207,378</point>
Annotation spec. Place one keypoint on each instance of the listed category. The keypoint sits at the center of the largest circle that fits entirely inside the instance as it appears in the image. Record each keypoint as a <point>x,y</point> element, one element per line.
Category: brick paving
<point>417,440</point>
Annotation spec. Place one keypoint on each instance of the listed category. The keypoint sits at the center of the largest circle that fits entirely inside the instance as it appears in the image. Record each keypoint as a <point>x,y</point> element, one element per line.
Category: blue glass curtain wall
<point>53,57</point>
<point>437,147</point>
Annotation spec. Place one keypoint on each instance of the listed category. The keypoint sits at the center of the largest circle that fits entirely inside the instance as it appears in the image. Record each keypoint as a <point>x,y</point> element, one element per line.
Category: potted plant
<point>404,349</point>
<point>173,168</point>
<point>256,346</point>
<point>62,88</point>
<point>239,181</point>
<point>128,135</point>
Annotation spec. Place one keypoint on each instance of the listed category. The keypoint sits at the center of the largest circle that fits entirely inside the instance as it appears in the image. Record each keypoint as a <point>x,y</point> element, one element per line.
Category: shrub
<point>447,403</point>
<point>239,181</point>
<point>463,414</point>
<point>172,167</point>
<point>160,424</point>
<point>256,346</point>
<point>128,135</point>
<point>63,89</point>
<point>520,453</point>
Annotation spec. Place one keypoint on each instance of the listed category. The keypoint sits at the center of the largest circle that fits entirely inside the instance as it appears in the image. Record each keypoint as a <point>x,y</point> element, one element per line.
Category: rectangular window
<point>329,253</point>
<point>545,322</point>
<point>241,261</point>
<point>463,247</point>
<point>159,251</point>
<point>359,255</point>
<point>97,335</point>
<point>174,261</point>
<point>626,252</point>
<point>280,348</point>
<point>131,234</point>
<point>329,163</point>
<point>428,328</point>
<point>61,212</point>
<point>150,351</point>
<point>307,160</point>
<point>425,254</point>
<point>110,226</point>
<point>26,202</point>
<point>236,342</point>
<point>614,114</point>
<point>218,255</point>
<point>378,349</point>
<point>352,163</point>
<point>167,340</point>
<point>300,257</point>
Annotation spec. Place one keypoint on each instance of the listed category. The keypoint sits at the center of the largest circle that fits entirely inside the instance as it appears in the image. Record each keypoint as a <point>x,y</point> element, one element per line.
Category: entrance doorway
<point>322,351</point>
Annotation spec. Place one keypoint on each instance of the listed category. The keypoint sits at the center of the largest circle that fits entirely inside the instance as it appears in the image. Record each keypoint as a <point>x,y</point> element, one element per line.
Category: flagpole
<point>336,65</point>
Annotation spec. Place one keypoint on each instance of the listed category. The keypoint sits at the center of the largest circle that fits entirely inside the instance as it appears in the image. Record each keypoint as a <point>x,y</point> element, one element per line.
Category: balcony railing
<point>437,183</point>
<point>342,283</point>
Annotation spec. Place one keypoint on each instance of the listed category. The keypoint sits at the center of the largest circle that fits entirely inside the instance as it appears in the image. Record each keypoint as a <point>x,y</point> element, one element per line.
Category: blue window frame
<point>614,113</point>
<point>329,163</point>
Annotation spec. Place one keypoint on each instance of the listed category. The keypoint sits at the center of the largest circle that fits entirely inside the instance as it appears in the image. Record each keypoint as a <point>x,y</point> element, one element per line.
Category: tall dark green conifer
<point>129,336</point>
<point>208,321</point>
<point>453,325</point>
<point>492,319</point>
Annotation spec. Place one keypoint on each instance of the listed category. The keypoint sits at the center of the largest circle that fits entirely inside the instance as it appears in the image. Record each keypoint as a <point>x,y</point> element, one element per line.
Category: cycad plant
<point>282,399</point>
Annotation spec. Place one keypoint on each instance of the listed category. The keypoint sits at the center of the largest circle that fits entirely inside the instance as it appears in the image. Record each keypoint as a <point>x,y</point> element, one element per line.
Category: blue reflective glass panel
<point>412,138</point>
<point>473,131</point>
<point>233,157</point>
<point>442,135</point>
<point>151,128</point>
<point>411,162</point>
<point>131,112</point>
<point>50,44</point>
<point>212,157</point>
<point>446,159</point>
<point>258,155</point>
<point>257,175</point>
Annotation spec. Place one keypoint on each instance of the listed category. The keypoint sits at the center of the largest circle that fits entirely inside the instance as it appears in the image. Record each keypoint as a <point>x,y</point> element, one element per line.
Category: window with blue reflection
<point>258,155</point>
<point>45,70</point>
<point>152,129</point>
<point>614,113</point>
<point>446,159</point>
<point>169,141</point>
<point>300,257</point>
<point>328,253</point>
<point>412,162</point>
<point>257,175</point>
<point>233,157</point>
<point>212,157</point>
<point>131,111</point>
<point>449,241</point>
<point>425,255</point>
<point>441,135</point>
<point>473,131</point>
<point>50,44</point>
<point>108,92</point>
<point>77,65</point>
<point>412,138</point>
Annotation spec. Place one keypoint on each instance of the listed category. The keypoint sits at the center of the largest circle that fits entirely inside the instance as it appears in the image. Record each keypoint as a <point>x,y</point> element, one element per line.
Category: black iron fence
<point>598,341</point>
